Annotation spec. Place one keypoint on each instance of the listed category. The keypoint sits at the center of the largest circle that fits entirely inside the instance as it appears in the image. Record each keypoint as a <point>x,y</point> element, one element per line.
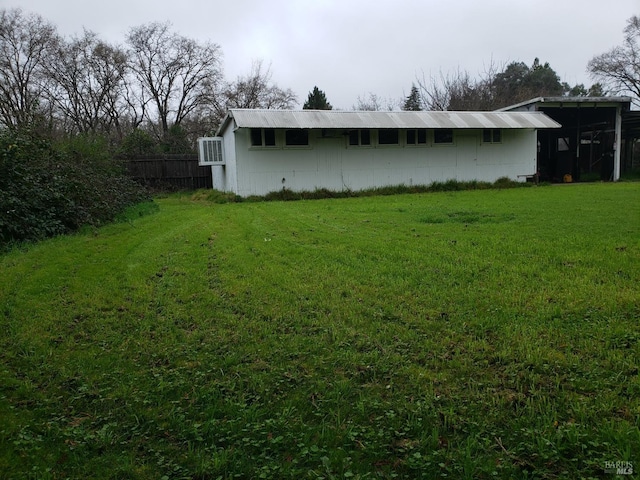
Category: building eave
<point>568,101</point>
<point>333,119</point>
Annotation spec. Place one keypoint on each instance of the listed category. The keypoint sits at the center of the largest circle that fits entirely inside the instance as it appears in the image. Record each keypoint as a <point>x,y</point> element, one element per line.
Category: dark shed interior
<point>583,148</point>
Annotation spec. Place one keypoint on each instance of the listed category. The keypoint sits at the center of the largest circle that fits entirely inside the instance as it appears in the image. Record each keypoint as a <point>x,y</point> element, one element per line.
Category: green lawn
<point>479,334</point>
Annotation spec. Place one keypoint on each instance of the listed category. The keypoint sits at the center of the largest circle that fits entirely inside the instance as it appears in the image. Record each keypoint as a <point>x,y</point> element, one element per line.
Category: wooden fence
<point>174,172</point>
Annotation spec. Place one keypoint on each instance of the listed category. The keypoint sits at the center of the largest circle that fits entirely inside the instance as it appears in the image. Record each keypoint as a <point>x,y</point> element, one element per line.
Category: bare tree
<point>453,91</point>
<point>255,90</point>
<point>619,68</point>
<point>374,103</point>
<point>458,90</point>
<point>88,85</point>
<point>176,74</point>
<point>435,92</point>
<point>26,41</point>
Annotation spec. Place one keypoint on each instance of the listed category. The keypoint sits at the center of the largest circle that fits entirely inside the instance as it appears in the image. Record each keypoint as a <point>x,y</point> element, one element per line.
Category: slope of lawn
<point>480,334</point>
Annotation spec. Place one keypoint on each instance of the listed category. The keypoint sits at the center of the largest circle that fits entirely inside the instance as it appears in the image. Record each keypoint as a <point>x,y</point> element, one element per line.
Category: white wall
<point>225,176</point>
<point>330,163</point>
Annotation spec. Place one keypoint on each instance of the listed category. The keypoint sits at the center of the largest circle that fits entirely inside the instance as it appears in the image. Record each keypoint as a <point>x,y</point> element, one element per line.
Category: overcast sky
<point>349,48</point>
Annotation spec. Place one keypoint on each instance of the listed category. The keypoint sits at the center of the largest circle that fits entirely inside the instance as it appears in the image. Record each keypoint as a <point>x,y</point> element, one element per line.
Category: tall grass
<point>475,334</point>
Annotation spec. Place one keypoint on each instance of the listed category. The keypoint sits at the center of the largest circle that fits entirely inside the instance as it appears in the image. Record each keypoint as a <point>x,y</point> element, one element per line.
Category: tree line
<point>159,87</point>
<point>495,88</point>
<point>616,72</point>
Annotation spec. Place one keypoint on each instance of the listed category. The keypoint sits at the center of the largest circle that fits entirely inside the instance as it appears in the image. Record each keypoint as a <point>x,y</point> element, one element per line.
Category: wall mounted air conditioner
<point>210,151</point>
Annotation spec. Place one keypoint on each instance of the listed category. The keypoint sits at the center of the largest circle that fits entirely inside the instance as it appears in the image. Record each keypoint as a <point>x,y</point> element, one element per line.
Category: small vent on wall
<point>210,151</point>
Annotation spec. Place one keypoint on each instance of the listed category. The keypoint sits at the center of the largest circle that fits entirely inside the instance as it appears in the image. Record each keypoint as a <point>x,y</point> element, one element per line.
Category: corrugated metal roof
<point>568,101</point>
<point>248,118</point>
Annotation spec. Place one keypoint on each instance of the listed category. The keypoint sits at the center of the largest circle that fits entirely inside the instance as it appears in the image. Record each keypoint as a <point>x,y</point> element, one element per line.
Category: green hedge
<point>47,191</point>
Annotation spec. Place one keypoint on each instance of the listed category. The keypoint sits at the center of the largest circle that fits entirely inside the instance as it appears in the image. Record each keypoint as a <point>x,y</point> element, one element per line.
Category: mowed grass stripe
<point>475,334</point>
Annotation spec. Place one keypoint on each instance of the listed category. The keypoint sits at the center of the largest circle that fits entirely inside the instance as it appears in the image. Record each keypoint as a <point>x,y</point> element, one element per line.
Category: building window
<point>443,136</point>
<point>388,136</point>
<point>491,135</point>
<point>359,137</point>
<point>296,138</point>
<point>263,137</point>
<point>417,136</point>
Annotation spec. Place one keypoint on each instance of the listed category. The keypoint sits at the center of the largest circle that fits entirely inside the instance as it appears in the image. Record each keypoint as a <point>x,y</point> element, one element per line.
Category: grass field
<point>480,334</point>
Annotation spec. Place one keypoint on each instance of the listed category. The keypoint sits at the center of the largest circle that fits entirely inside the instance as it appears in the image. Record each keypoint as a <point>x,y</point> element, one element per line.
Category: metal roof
<point>336,119</point>
<point>567,101</point>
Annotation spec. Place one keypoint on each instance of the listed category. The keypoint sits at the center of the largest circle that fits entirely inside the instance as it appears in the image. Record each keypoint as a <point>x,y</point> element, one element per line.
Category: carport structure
<point>590,143</point>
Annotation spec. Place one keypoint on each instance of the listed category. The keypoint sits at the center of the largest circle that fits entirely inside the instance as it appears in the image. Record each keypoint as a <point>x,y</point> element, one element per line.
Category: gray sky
<point>349,48</point>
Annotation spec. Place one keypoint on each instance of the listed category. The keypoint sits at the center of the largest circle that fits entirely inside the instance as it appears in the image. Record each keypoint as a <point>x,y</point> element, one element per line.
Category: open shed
<point>260,151</point>
<point>590,143</point>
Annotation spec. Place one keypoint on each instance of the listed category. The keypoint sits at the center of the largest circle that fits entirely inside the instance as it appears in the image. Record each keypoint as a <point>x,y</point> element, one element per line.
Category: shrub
<point>138,143</point>
<point>590,177</point>
<point>216,196</point>
<point>631,176</point>
<point>283,195</point>
<point>176,141</point>
<point>47,191</point>
<point>506,182</point>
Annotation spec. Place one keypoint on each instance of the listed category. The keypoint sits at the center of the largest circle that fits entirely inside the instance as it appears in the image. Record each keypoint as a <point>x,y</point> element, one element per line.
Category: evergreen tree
<point>412,103</point>
<point>317,100</point>
<point>518,82</point>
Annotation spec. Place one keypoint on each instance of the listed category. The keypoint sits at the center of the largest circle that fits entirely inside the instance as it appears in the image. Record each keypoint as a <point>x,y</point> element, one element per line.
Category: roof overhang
<point>336,119</point>
<point>569,102</point>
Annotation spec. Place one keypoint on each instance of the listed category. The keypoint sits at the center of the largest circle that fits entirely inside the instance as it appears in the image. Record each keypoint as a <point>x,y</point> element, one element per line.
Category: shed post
<point>617,145</point>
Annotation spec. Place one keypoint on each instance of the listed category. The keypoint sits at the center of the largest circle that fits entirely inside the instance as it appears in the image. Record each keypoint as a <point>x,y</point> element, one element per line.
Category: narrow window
<point>269,137</point>
<point>417,136</point>
<point>354,137</point>
<point>388,136</point>
<point>444,135</point>
<point>297,137</point>
<point>256,137</point>
<point>491,135</point>
<point>359,137</point>
<point>263,137</point>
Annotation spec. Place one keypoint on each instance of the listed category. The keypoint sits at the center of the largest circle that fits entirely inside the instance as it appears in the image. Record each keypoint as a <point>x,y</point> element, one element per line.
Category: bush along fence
<point>48,190</point>
<point>169,171</point>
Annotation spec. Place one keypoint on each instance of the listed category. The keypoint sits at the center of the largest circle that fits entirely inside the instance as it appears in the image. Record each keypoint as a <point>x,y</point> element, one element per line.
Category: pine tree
<point>317,100</point>
<point>412,103</point>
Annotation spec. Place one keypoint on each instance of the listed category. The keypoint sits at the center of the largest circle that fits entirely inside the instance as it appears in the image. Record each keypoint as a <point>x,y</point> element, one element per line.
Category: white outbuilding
<point>260,151</point>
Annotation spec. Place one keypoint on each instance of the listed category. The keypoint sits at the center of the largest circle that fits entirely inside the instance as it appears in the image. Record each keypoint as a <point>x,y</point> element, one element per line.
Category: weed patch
<point>466,217</point>
<point>323,193</point>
